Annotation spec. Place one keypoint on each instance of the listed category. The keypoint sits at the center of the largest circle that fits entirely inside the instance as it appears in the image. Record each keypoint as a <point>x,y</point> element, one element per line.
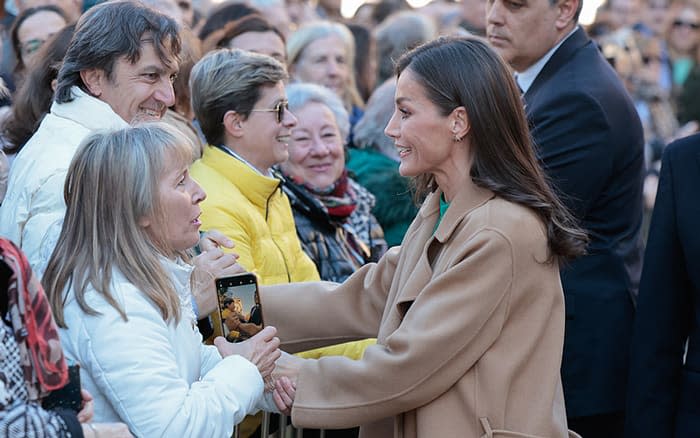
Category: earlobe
<point>93,79</point>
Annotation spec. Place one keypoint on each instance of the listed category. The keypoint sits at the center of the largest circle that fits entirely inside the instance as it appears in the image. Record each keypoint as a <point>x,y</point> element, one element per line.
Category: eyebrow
<point>402,99</point>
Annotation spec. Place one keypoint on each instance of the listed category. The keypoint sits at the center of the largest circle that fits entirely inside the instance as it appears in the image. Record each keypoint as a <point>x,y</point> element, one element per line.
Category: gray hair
<point>229,79</point>
<point>369,131</point>
<point>315,30</point>
<point>262,4</point>
<point>111,184</point>
<point>397,34</point>
<point>300,94</point>
<point>112,30</point>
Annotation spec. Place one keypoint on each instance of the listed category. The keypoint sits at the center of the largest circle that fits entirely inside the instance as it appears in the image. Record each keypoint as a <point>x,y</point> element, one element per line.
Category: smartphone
<point>239,306</point>
<point>69,396</point>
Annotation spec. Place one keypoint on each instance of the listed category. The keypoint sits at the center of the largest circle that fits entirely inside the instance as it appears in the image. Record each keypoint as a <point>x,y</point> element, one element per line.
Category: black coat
<point>664,394</point>
<point>590,141</point>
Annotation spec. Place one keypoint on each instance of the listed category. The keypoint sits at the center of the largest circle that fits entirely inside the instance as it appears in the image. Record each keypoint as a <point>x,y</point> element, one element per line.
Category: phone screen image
<point>239,307</point>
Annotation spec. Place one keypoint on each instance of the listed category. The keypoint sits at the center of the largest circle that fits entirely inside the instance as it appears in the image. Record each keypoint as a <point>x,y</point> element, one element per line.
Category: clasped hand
<point>285,378</point>
<point>262,350</point>
<point>278,369</point>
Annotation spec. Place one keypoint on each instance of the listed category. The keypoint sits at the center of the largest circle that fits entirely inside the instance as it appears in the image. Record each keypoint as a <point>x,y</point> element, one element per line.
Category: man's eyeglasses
<point>280,108</point>
<point>681,23</point>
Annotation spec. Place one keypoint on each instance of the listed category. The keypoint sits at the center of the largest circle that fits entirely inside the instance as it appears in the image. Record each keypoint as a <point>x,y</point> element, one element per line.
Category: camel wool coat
<point>469,321</point>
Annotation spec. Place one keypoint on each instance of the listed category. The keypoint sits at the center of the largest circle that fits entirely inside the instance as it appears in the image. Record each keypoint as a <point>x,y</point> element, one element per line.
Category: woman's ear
<point>459,123</point>
<point>233,124</point>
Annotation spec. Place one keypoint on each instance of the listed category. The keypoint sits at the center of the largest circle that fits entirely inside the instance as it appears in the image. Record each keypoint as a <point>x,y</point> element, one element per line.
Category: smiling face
<point>522,31</point>
<point>316,154</point>
<point>178,198</point>
<point>324,62</point>
<point>136,92</point>
<point>422,135</point>
<point>264,141</point>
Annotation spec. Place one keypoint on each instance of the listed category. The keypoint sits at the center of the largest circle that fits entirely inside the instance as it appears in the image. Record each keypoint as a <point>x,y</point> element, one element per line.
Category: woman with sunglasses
<point>683,39</point>
<point>240,102</point>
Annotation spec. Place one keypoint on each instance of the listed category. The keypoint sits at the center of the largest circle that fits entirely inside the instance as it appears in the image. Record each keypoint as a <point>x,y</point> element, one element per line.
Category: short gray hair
<point>229,79</point>
<point>397,34</point>
<point>369,131</point>
<point>300,94</point>
<point>110,31</point>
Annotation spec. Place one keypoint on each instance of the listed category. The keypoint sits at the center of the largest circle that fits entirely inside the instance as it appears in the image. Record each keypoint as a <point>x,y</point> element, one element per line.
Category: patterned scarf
<point>29,316</point>
<point>339,199</point>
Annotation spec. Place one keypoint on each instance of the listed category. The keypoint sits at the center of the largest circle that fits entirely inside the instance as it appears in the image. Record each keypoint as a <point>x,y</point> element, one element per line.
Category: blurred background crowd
<point>654,45</point>
<point>331,92</point>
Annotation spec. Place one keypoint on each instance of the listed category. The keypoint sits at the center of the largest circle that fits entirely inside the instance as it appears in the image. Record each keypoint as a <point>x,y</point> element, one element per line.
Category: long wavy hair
<point>112,183</point>
<point>465,71</point>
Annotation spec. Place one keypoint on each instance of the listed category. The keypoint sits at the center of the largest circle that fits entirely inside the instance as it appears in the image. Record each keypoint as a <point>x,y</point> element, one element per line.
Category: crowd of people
<point>464,219</point>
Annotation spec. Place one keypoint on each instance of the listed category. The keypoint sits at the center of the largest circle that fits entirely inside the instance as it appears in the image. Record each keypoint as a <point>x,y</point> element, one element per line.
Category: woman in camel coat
<point>468,312</point>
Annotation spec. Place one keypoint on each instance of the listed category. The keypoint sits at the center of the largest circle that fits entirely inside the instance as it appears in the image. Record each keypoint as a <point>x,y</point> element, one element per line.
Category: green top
<point>444,205</point>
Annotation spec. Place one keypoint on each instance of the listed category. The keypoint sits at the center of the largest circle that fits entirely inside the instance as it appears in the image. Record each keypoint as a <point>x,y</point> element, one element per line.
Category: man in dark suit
<point>590,143</point>
<point>663,396</point>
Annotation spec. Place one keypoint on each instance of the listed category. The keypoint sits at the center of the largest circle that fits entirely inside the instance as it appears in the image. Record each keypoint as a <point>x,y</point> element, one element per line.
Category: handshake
<point>279,370</point>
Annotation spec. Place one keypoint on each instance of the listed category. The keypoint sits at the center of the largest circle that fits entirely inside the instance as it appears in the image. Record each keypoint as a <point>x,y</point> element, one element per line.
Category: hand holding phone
<point>262,350</point>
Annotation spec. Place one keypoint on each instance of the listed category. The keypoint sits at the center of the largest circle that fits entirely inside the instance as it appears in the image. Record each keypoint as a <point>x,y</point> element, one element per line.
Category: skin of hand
<point>87,410</point>
<point>262,350</point>
<point>288,366</point>
<point>214,239</point>
<point>284,394</point>
<point>106,430</point>
<point>211,264</point>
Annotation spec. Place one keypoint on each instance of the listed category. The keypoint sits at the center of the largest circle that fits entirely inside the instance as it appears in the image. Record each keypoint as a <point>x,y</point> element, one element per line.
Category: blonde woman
<point>119,286</point>
<point>323,52</point>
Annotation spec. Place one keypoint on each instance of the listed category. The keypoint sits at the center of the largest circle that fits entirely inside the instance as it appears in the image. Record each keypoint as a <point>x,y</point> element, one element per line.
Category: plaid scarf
<point>338,199</point>
<point>29,316</point>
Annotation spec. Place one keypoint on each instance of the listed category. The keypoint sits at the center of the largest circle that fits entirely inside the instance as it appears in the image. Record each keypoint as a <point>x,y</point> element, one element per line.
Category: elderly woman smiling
<point>332,212</point>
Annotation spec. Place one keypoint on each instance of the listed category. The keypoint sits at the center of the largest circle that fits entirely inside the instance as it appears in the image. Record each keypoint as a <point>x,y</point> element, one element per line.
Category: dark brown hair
<point>21,18</point>
<point>466,72</point>
<point>33,98</point>
<point>112,31</point>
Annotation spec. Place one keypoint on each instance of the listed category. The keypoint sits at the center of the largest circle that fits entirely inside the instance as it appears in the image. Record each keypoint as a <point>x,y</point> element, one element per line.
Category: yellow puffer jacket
<point>252,210</point>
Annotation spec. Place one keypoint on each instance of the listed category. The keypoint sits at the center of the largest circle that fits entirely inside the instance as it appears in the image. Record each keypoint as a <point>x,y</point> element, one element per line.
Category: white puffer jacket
<point>157,377</point>
<point>34,199</point>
